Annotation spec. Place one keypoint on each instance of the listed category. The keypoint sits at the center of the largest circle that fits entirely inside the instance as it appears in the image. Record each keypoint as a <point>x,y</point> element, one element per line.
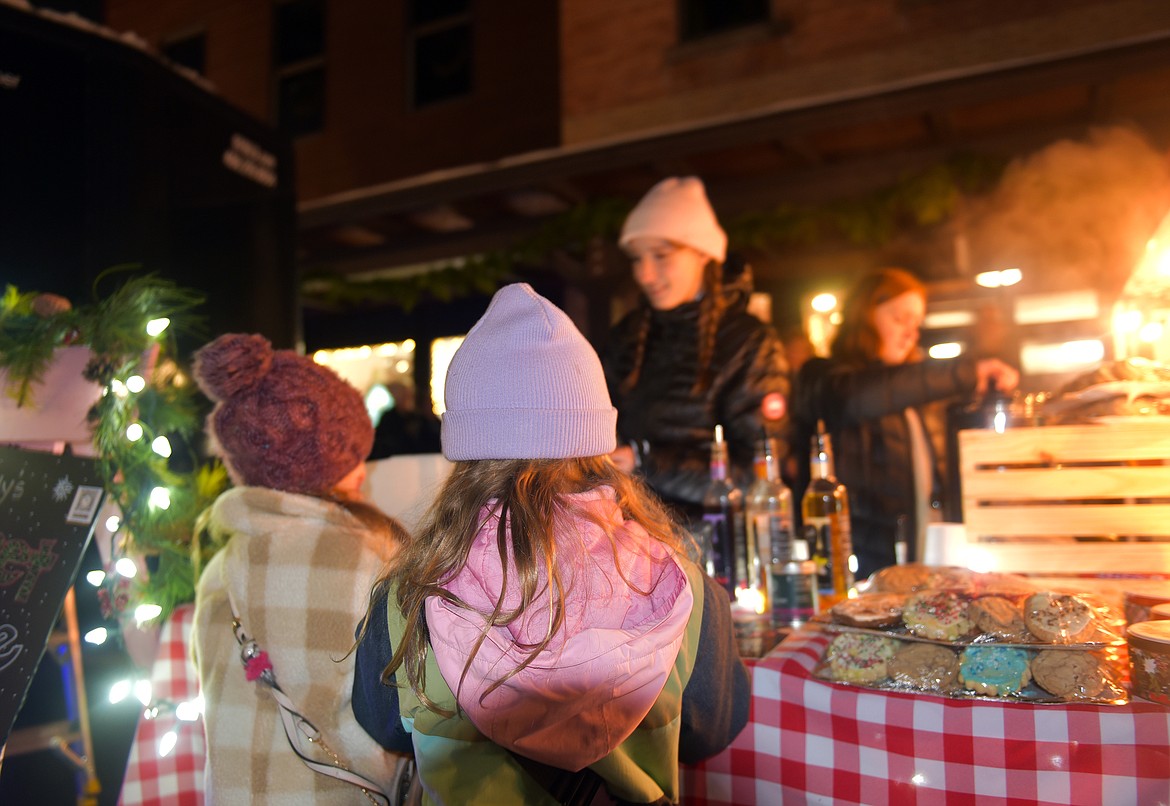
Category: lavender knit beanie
<point>525,384</point>
<point>280,420</point>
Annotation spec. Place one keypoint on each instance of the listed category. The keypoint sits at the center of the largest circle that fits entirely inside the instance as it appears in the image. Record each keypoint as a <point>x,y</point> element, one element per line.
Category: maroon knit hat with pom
<point>281,420</point>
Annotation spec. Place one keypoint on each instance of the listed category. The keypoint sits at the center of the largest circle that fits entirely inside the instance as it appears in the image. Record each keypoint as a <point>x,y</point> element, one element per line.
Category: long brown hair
<point>530,497</point>
<point>857,340</point>
<point>711,308</point>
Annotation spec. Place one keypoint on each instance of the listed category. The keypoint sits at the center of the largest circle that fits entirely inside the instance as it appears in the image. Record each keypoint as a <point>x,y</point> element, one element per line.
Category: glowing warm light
<point>1150,332</point>
<point>167,743</point>
<point>408,346</point>
<point>999,279</point>
<point>112,523</point>
<point>161,446</point>
<point>441,352</point>
<point>402,366</point>
<point>1083,351</point>
<point>146,612</point>
<point>321,356</point>
<point>160,498</point>
<point>96,578</point>
<point>948,349</point>
<point>156,326</point>
<point>118,388</point>
<point>142,691</point>
<point>824,302</point>
<point>940,319</point>
<point>135,383</point>
<point>134,432</point>
<point>979,560</point>
<point>387,350</point>
<point>750,599</point>
<point>835,318</point>
<point>120,691</point>
<point>96,636</point>
<point>126,567</point>
<point>190,710</point>
<point>1163,264</point>
<point>364,352</point>
<point>1127,321</point>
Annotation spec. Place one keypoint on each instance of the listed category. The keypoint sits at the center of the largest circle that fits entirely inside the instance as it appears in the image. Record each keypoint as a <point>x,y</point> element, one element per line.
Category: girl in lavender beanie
<point>545,605</point>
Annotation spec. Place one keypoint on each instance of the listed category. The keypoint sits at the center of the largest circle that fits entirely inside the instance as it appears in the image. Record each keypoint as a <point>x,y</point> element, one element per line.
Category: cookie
<point>938,615</point>
<point>900,578</point>
<point>994,670</point>
<point>859,657</point>
<point>952,578</point>
<point>875,611</point>
<point>927,667</point>
<point>999,618</point>
<point>1068,674</point>
<point>1058,618</point>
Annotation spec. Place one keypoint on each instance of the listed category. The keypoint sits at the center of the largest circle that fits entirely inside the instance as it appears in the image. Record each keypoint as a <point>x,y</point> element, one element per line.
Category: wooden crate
<point>1070,499</point>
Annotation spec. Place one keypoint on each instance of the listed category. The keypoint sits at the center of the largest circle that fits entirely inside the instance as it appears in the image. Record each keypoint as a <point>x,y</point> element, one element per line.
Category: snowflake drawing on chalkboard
<point>62,489</point>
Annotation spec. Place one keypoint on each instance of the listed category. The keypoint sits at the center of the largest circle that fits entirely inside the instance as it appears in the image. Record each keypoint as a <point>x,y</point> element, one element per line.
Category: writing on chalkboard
<point>13,487</point>
<point>9,649</point>
<point>20,562</point>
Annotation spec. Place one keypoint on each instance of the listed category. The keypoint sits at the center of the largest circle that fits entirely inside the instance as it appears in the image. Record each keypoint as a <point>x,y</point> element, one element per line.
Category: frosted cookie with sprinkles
<point>939,615</point>
<point>1058,618</point>
<point>859,657</point>
<point>1068,673</point>
<point>995,670</point>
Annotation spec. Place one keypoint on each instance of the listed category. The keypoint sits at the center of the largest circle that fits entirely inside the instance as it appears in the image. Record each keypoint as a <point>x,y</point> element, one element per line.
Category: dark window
<point>701,18</point>
<point>441,50</point>
<point>302,102</point>
<point>190,51</point>
<point>298,56</point>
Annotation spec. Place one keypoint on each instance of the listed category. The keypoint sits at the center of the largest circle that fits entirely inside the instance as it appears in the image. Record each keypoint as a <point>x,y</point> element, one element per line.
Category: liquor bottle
<point>769,523</point>
<point>825,509</point>
<point>723,517</point>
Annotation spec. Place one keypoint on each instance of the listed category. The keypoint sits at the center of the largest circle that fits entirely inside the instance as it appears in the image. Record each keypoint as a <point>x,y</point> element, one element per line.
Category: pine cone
<point>99,370</point>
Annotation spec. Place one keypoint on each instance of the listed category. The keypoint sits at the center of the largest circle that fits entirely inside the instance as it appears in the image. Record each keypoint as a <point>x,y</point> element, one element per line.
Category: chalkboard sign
<point>48,505</point>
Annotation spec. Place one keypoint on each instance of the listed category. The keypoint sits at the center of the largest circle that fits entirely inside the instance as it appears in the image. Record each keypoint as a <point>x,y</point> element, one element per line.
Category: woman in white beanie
<point>691,356</point>
<point>544,628</point>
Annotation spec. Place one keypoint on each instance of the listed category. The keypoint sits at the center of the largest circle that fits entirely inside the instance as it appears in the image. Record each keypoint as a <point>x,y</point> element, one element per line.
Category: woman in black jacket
<point>691,356</point>
<point>870,393</point>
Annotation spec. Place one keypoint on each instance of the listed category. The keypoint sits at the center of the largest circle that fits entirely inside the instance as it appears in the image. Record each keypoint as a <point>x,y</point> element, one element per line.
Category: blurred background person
<point>403,428</point>
<point>871,392</point>
<point>690,356</point>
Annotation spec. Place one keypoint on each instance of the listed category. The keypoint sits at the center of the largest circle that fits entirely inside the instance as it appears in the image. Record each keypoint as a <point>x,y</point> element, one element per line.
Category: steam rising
<point>1074,213</point>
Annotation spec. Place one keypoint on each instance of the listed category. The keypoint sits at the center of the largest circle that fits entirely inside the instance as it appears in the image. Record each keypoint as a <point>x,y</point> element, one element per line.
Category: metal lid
<point>1153,632</point>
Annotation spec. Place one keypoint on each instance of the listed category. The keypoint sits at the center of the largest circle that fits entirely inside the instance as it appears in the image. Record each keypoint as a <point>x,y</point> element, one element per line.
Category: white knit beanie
<point>677,210</point>
<point>525,384</point>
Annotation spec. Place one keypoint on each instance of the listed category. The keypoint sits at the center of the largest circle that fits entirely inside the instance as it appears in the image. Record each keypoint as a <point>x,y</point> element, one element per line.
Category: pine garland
<point>33,326</point>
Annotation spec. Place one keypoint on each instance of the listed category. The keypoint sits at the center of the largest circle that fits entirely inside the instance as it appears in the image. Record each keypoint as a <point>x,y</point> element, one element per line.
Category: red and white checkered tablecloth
<point>175,779</point>
<point>809,741</point>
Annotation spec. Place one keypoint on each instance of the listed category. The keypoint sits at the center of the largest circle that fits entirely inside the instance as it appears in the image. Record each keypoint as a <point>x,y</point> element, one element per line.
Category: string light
<point>118,388</point>
<point>823,303</point>
<point>161,446</point>
<point>96,636</point>
<point>145,612</point>
<point>160,498</point>
<point>120,691</point>
<point>190,710</point>
<point>135,383</point>
<point>126,567</point>
<point>134,432</point>
<point>156,326</point>
<point>112,523</point>
<point>96,578</point>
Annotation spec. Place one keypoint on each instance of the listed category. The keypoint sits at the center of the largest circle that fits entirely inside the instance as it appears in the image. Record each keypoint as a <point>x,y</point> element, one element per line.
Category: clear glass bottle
<point>723,518</point>
<point>769,523</point>
<point>825,510</point>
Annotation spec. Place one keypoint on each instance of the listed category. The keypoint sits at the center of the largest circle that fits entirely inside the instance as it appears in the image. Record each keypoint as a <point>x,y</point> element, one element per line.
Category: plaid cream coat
<point>300,570</point>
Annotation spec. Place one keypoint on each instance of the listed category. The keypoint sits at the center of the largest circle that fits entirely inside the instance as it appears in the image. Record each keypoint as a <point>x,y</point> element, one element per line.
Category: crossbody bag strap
<point>297,728</point>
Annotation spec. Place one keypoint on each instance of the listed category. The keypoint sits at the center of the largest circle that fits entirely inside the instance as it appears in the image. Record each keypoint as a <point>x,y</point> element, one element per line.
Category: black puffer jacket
<point>864,413</point>
<point>668,425</point>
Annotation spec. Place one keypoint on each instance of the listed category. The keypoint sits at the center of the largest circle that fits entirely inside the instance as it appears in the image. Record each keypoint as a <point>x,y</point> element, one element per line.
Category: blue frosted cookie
<point>995,670</point>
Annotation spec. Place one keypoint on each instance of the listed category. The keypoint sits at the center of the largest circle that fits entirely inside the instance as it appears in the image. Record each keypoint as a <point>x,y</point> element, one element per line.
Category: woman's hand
<point>992,369</point>
<point>623,458</point>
